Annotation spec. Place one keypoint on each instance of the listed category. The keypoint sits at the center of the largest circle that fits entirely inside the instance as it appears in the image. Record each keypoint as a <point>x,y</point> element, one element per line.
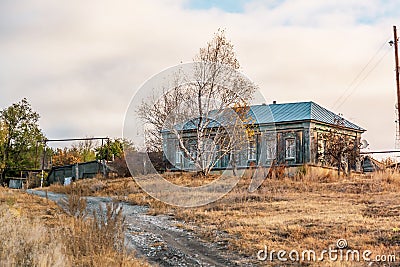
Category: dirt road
<point>159,240</point>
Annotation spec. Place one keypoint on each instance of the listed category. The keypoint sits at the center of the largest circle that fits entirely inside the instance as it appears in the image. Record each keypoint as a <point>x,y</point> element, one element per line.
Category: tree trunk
<point>348,167</point>
<point>234,167</point>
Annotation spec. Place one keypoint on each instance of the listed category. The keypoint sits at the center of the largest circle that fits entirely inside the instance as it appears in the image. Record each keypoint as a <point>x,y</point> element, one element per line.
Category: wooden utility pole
<point>396,56</point>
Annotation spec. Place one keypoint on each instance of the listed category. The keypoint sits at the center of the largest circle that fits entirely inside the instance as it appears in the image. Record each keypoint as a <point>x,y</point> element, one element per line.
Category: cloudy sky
<point>80,62</point>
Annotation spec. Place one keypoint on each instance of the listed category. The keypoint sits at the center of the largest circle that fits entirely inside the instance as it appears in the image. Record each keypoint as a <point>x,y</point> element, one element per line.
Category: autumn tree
<point>83,151</point>
<point>66,156</point>
<point>341,149</point>
<point>211,104</point>
<point>387,162</point>
<point>19,136</point>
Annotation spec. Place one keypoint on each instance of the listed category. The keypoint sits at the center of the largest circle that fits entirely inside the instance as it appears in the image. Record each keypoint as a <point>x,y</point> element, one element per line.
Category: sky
<point>80,63</point>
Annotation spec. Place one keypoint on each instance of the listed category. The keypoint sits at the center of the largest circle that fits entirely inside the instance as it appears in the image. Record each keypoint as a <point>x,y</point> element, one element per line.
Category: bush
<point>27,243</point>
<point>98,240</point>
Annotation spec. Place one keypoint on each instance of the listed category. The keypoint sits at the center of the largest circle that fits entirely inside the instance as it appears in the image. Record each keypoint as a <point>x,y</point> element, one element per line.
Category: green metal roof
<point>299,111</point>
<point>280,113</point>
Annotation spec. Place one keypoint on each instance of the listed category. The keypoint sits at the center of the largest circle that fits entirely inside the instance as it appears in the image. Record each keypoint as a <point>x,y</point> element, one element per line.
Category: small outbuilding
<point>72,172</point>
<point>370,164</point>
<point>16,182</point>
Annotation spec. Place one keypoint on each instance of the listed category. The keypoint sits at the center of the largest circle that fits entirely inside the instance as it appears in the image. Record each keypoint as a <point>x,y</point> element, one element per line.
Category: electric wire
<point>362,80</point>
<point>340,100</point>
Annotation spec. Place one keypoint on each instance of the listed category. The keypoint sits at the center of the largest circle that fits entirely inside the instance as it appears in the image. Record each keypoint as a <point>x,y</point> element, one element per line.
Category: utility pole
<point>396,57</point>
<point>44,153</point>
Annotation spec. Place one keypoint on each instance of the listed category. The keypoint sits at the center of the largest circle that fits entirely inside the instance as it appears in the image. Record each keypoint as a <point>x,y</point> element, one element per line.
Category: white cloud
<point>80,63</point>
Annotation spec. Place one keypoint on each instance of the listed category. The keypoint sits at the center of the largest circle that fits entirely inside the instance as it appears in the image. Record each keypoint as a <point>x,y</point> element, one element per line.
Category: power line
<point>365,77</point>
<point>74,139</point>
<point>340,99</point>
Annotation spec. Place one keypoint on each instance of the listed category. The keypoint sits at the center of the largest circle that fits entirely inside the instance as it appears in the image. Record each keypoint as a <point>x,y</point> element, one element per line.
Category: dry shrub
<point>119,164</point>
<point>276,171</point>
<point>110,226</point>
<point>96,186</point>
<point>75,204</point>
<point>389,178</point>
<point>316,174</point>
<point>97,240</point>
<point>36,232</point>
<point>27,243</point>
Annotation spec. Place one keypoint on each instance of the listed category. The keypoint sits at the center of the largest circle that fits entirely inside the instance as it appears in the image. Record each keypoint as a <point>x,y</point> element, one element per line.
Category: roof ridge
<point>305,110</point>
<point>287,103</point>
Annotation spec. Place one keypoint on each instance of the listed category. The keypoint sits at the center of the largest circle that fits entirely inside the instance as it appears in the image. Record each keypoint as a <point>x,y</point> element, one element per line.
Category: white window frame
<point>252,150</point>
<point>270,148</point>
<point>178,157</point>
<point>290,148</point>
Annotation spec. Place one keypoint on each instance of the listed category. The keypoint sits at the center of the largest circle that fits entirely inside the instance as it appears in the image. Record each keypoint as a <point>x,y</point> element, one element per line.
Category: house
<point>290,134</point>
<point>67,173</point>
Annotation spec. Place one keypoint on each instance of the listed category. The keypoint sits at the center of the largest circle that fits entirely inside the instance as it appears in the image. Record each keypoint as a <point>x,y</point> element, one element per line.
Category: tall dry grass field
<point>307,211</point>
<point>36,232</point>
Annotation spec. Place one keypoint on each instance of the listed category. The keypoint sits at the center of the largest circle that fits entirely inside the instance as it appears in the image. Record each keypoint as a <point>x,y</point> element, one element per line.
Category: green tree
<point>114,149</point>
<point>86,150</point>
<point>20,133</point>
<point>2,145</point>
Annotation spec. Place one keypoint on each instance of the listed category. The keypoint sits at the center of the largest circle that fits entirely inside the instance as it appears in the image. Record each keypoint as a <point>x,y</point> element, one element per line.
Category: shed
<point>16,182</point>
<point>78,171</point>
<point>370,164</point>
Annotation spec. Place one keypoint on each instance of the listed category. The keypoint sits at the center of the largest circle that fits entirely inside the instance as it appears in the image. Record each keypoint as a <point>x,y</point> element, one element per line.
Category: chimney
<point>274,102</point>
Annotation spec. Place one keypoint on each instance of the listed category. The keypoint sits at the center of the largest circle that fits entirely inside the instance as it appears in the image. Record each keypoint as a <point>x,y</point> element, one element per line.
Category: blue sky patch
<point>231,6</point>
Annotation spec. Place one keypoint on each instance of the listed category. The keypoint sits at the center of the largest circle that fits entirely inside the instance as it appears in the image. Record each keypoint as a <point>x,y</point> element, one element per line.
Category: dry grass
<point>189,179</point>
<point>302,212</point>
<point>308,210</point>
<point>97,240</point>
<point>36,232</point>
<point>27,243</point>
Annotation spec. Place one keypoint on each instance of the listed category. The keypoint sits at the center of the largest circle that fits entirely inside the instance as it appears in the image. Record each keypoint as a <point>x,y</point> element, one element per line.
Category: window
<point>290,148</point>
<point>252,150</point>
<point>178,157</point>
<point>271,149</point>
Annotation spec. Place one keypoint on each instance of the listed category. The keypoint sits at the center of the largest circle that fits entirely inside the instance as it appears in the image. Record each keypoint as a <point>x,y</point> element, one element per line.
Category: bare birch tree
<point>206,113</point>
